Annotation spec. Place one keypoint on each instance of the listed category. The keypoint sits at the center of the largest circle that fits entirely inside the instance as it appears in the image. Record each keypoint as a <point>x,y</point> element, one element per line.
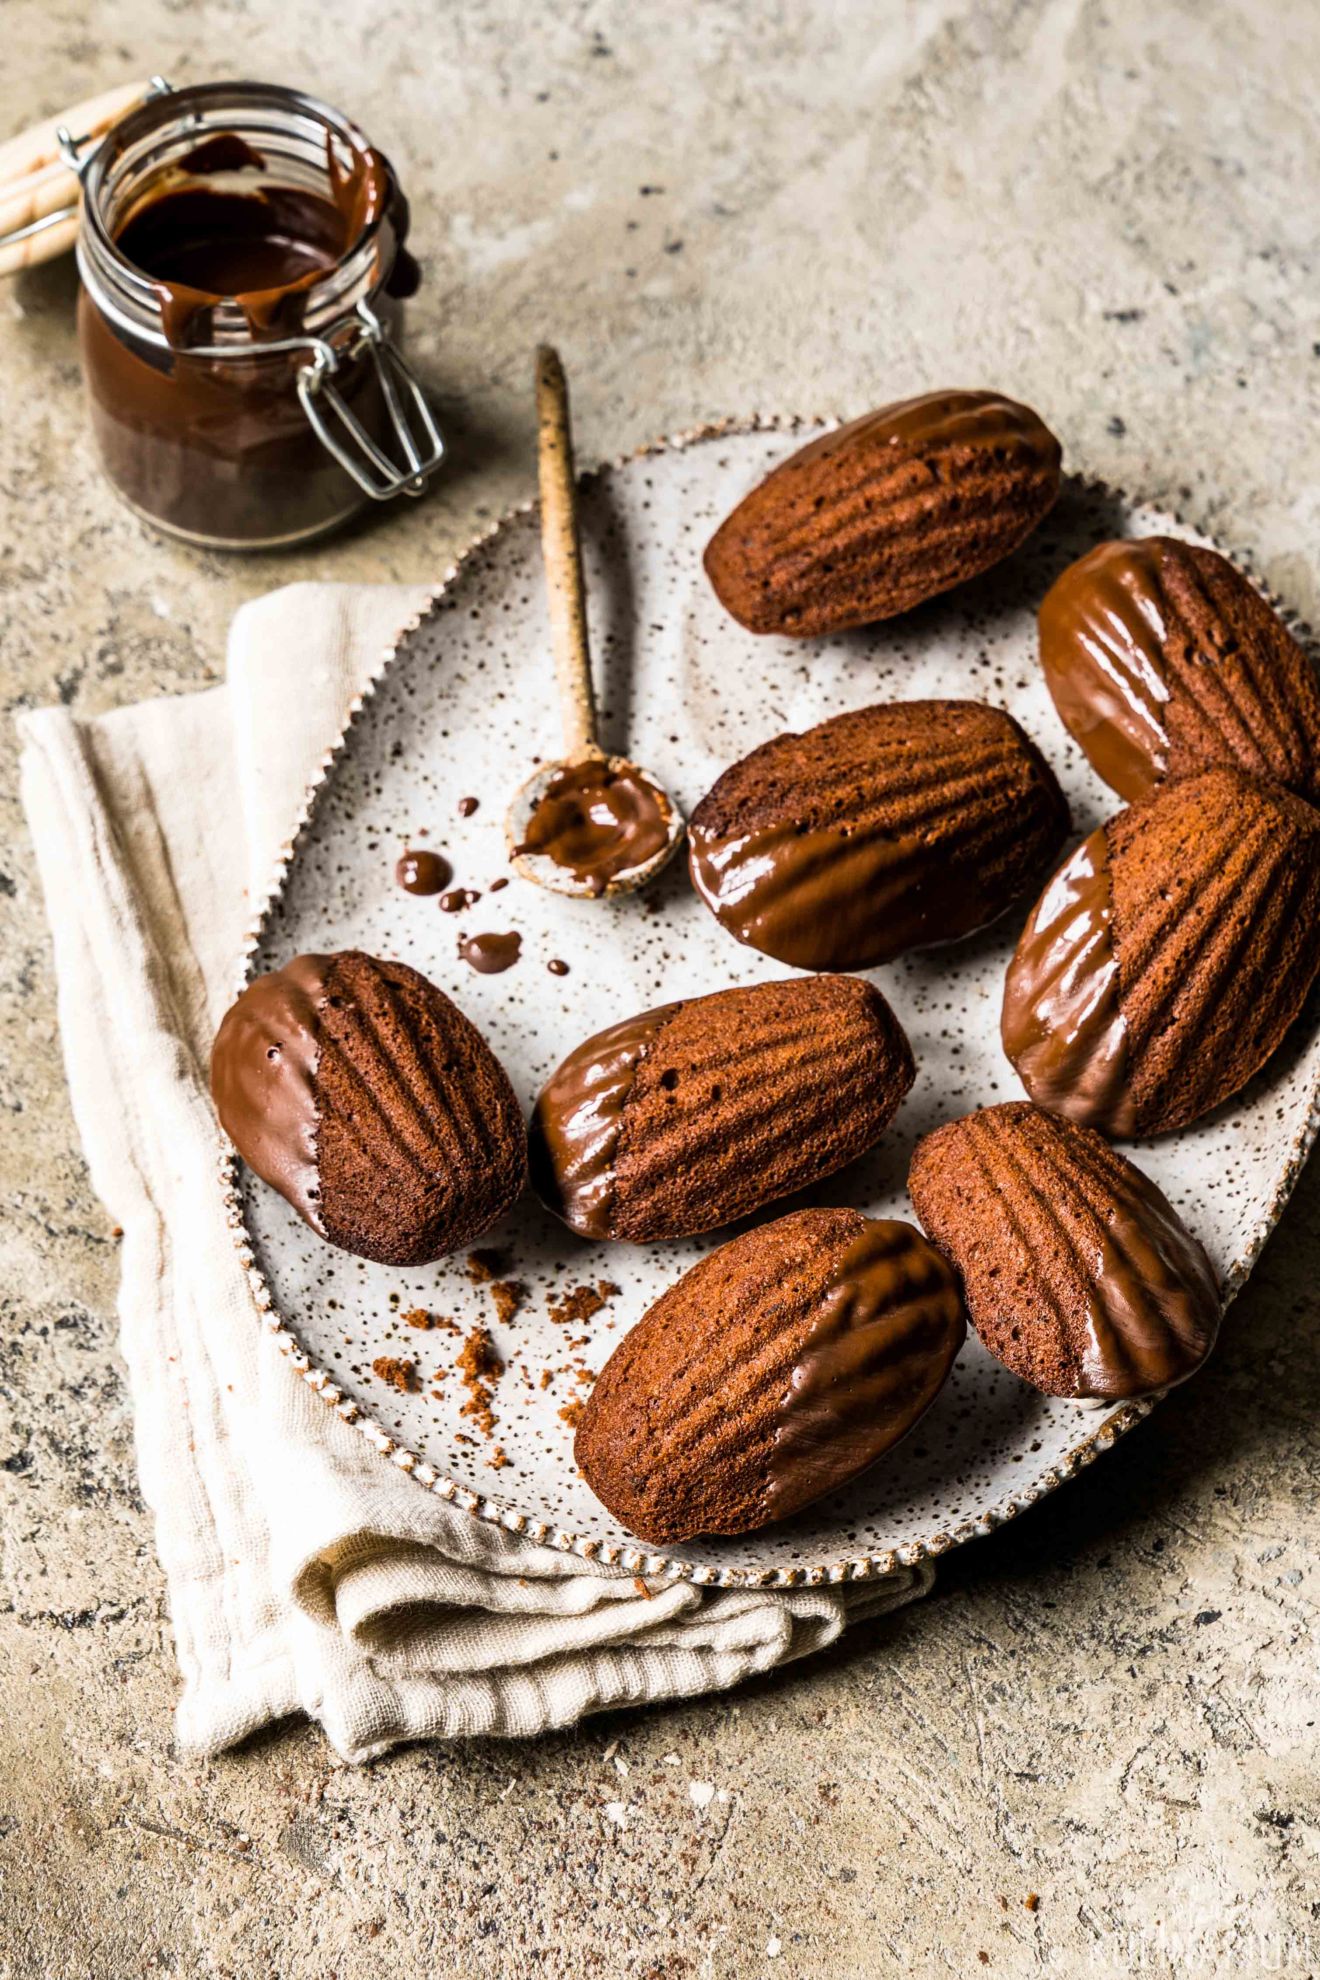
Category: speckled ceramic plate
<point>461,711</point>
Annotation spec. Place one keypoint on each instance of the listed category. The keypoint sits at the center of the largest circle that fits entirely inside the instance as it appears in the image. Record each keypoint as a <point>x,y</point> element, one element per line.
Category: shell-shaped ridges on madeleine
<point>1216,891</point>
<point>423,1112</point>
<point>875,526</point>
<point>682,1433</point>
<point>1241,689</point>
<point>799,1078</point>
<point>1042,1219</point>
<point>411,1098</point>
<point>678,1432</point>
<point>932,772</point>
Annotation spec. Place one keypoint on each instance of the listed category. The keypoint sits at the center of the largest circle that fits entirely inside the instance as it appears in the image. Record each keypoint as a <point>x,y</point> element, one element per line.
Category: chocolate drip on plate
<point>423,872</point>
<point>490,955</point>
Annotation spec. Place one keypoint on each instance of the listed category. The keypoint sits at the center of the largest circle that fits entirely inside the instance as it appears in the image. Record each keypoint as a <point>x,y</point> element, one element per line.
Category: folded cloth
<point>304,1572</point>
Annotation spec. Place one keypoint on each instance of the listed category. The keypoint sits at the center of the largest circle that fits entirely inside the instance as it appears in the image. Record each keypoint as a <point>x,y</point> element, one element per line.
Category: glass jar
<point>243,263</point>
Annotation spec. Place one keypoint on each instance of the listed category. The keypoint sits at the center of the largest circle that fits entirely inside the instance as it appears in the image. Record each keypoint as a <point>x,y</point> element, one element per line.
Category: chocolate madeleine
<point>871,519</point>
<point>363,1094</point>
<point>1077,1272</point>
<point>687,1117</point>
<point>776,1370</point>
<point>879,831</point>
<point>1168,955</point>
<point>1163,659</point>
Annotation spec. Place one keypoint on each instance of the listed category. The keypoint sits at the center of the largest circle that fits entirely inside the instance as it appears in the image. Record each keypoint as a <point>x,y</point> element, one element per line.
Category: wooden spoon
<point>588,824</point>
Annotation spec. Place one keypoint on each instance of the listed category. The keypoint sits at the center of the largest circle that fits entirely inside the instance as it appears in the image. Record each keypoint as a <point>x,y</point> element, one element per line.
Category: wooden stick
<point>562,554</point>
<point>37,185</point>
<point>39,145</point>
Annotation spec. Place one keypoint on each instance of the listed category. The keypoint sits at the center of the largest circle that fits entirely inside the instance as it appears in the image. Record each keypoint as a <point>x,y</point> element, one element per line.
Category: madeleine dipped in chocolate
<point>1163,659</point>
<point>1168,955</point>
<point>363,1094</point>
<point>878,831</point>
<point>776,1370</point>
<point>687,1117</point>
<point>1077,1272</point>
<point>874,518</point>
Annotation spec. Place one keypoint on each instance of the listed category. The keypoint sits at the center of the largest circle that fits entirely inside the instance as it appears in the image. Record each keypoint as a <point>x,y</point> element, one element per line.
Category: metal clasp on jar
<point>371,467</point>
<point>374,472</point>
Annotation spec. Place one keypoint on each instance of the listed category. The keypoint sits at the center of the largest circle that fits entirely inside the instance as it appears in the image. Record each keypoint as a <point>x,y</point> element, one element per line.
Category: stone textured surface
<point>1104,207</point>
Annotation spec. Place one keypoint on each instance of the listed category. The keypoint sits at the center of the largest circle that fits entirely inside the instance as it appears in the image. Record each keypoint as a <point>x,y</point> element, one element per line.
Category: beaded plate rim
<point>637,1558</point>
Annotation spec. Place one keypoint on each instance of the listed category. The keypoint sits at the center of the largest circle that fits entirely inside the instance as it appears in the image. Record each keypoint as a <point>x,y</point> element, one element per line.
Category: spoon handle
<point>563,557</point>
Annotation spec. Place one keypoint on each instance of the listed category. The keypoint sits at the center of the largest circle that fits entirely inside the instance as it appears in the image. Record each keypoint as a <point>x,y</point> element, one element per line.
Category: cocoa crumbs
<point>580,1303</point>
<point>399,1371</point>
<point>480,1368</point>
<point>508,1296</point>
<point>572,1412</point>
<point>427,1322</point>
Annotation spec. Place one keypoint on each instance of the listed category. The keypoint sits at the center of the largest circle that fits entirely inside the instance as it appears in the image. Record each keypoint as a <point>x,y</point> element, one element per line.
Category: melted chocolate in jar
<point>882,1345</point>
<point>577,1120</point>
<point>1062,1024</point>
<point>597,822</point>
<point>264,250</point>
<point>490,954</point>
<point>220,448</point>
<point>1103,629</point>
<point>263,1069</point>
<point>423,872</point>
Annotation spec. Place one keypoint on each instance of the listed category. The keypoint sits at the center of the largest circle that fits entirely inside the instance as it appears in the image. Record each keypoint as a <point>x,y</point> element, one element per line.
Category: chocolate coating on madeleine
<point>1163,659</point>
<point>684,1118</point>
<point>365,1096</point>
<point>263,1079</point>
<point>1062,1024</point>
<point>1077,1272</point>
<point>893,508</point>
<point>878,831</point>
<point>777,1369</point>
<point>1212,926</point>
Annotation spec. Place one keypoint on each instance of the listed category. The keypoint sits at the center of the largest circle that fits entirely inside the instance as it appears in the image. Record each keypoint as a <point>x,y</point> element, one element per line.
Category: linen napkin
<point>304,1572</point>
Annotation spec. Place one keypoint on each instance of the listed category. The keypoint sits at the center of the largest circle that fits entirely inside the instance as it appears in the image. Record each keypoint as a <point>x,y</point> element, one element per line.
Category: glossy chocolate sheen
<point>871,519</point>
<point>263,1079</point>
<point>1163,659</point>
<point>1203,902</point>
<point>1062,1023</point>
<point>684,1118</point>
<point>1077,1272</point>
<point>223,450</point>
<point>363,1094</point>
<point>598,820</point>
<point>420,871</point>
<point>776,1370</point>
<point>879,831</point>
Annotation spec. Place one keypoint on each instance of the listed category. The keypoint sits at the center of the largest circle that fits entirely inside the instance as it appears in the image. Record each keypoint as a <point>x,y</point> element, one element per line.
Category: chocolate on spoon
<point>587,824</point>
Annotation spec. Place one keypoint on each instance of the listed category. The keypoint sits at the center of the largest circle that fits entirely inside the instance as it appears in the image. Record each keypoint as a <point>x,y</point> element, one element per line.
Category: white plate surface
<point>463,710</point>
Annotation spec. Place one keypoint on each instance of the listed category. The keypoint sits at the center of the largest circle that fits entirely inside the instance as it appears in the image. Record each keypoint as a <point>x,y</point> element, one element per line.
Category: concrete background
<point>1108,207</point>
